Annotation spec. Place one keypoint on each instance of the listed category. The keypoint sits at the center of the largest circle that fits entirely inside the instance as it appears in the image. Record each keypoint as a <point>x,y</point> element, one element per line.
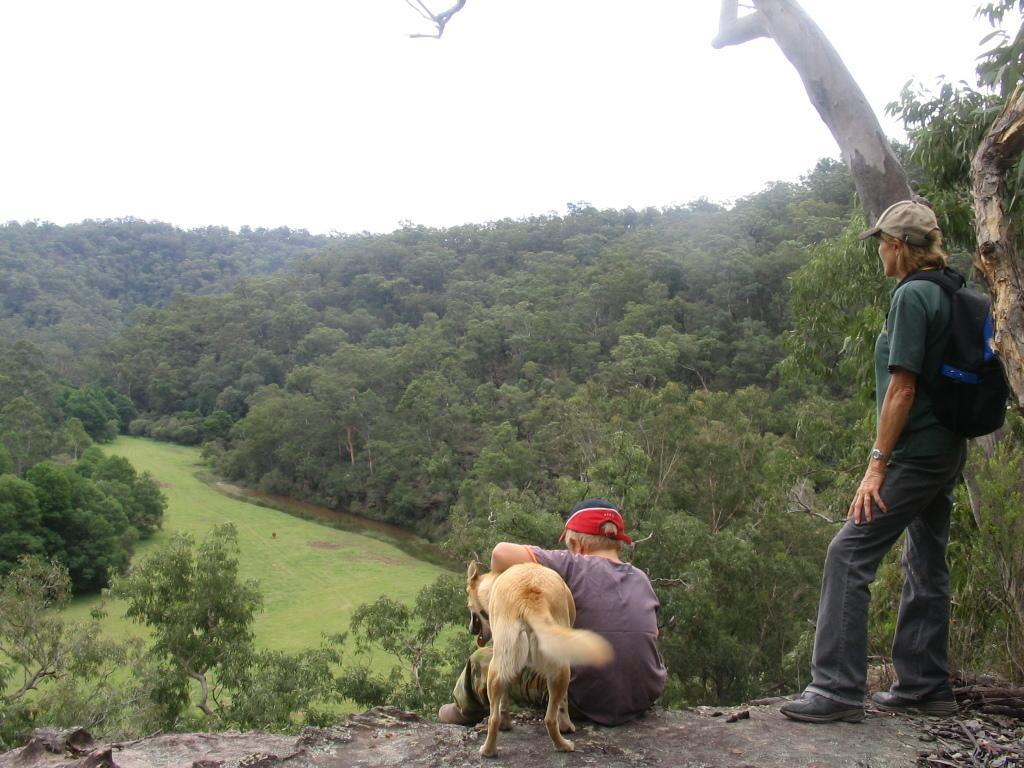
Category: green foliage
<point>945,128</point>
<point>988,570</point>
<point>90,406</point>
<point>735,602</point>
<point>200,613</point>
<point>68,289</point>
<point>1002,65</point>
<point>75,438</point>
<point>87,516</point>
<point>43,655</point>
<point>428,655</point>
<point>270,689</point>
<point>24,433</point>
<point>838,303</point>
<point>377,375</point>
<point>21,528</point>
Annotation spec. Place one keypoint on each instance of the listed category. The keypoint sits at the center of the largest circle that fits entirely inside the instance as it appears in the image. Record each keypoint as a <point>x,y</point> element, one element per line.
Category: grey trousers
<point>919,496</point>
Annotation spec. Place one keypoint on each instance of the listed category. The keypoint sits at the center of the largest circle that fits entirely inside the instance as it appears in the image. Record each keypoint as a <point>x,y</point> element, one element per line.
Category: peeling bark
<point>997,258</point>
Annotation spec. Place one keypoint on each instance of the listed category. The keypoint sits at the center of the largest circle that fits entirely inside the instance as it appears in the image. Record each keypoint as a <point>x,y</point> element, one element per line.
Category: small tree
<point>427,657</point>
<point>37,647</point>
<point>200,612</point>
<point>24,433</point>
<point>75,438</point>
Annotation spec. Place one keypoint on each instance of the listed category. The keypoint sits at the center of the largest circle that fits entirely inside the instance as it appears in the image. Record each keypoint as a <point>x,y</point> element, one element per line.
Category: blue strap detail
<point>961,376</point>
<point>987,334</point>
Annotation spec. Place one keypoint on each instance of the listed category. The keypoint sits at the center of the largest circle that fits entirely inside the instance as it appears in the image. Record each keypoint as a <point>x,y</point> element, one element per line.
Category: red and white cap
<point>589,516</point>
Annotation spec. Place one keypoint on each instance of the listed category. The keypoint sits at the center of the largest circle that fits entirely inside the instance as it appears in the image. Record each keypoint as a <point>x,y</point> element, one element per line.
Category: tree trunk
<point>877,174</point>
<point>200,678</point>
<point>351,446</point>
<point>997,258</point>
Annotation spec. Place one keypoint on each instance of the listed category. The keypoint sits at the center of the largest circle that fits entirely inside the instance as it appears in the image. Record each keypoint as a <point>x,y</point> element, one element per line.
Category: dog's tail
<point>572,646</point>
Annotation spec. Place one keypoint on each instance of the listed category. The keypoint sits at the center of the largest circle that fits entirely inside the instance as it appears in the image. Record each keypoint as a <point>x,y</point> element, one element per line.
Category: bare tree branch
<point>672,583</point>
<point>734,29</point>
<point>877,173</point>
<point>438,19</point>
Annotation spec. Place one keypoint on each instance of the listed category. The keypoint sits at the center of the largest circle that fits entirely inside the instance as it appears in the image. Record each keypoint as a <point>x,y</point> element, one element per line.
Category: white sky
<point>322,114</point>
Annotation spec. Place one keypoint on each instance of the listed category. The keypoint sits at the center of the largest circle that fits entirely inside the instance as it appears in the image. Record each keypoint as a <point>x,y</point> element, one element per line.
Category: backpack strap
<point>947,278</point>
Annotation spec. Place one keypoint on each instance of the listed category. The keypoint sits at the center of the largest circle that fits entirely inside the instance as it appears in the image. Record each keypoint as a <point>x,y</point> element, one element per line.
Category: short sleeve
<point>907,330</point>
<point>559,560</point>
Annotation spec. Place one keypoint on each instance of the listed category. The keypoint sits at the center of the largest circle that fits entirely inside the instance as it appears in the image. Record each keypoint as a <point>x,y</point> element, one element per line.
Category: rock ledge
<point>386,736</point>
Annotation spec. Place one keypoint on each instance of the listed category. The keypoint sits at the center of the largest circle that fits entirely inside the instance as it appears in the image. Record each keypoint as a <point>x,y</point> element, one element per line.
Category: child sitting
<point>612,598</point>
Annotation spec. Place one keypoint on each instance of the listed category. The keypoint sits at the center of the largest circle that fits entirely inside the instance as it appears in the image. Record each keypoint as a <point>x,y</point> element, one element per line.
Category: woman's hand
<point>868,494</point>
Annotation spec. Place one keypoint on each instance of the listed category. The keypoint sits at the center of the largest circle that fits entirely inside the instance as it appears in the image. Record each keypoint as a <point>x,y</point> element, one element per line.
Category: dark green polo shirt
<point>913,337</point>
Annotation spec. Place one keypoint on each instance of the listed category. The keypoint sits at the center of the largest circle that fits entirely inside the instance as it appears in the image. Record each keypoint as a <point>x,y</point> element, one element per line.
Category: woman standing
<point>908,485</point>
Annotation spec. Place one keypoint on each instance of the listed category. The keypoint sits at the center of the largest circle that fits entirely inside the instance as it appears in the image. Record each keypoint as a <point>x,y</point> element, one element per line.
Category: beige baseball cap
<point>907,221</point>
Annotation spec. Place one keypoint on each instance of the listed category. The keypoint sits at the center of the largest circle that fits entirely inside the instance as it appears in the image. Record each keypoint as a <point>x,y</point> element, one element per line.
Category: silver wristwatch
<point>877,455</point>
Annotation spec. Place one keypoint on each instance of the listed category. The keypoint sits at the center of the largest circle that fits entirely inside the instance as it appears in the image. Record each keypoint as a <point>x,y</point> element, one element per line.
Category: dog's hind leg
<point>558,690</point>
<point>496,697</point>
<point>565,724</point>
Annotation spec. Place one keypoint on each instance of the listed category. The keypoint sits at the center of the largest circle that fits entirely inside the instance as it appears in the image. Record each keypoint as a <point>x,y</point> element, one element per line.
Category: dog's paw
<point>566,746</point>
<point>506,722</point>
<point>485,752</point>
<point>566,726</point>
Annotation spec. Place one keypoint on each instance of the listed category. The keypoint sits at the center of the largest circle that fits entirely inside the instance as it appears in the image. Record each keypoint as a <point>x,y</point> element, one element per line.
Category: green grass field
<point>312,576</point>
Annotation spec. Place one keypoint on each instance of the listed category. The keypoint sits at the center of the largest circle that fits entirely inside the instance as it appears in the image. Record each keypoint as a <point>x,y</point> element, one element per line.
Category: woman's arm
<point>899,399</point>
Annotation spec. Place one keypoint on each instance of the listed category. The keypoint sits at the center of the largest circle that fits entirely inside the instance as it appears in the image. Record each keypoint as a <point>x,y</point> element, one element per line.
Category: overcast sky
<point>324,115</point>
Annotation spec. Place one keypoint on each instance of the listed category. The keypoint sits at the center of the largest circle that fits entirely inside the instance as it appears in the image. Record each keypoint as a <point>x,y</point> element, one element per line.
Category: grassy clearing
<point>312,576</point>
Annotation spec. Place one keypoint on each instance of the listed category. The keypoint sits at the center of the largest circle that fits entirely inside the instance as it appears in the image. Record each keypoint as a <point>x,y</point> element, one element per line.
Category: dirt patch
<point>366,557</point>
<point>162,484</point>
<point>324,544</point>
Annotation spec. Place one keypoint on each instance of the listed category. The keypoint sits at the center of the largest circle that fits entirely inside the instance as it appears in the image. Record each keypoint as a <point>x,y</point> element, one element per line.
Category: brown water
<point>336,518</point>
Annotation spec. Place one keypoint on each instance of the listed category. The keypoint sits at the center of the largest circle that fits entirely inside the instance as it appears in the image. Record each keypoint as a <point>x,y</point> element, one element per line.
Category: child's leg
<point>529,690</point>
<point>470,692</point>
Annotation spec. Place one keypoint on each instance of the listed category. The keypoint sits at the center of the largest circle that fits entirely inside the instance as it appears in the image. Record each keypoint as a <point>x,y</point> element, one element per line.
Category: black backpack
<point>970,392</point>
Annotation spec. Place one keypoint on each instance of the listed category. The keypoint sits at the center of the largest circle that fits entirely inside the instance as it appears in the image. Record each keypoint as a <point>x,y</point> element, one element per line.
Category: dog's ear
<point>473,571</point>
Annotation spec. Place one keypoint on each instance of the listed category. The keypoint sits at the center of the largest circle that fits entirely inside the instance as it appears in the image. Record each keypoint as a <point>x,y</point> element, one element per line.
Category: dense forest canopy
<point>69,289</point>
<point>374,374</point>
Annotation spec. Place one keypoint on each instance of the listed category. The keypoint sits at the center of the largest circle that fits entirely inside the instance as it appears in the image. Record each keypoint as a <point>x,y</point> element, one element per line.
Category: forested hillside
<point>379,373</point>
<point>67,289</point>
<point>704,366</point>
<point>471,383</point>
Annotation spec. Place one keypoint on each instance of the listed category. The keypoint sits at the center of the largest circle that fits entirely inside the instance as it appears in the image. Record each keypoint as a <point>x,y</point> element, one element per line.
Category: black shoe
<point>940,707</point>
<point>812,708</point>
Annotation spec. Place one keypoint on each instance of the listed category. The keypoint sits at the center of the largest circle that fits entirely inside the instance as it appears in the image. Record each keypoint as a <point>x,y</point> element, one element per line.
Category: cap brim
<point>873,232</point>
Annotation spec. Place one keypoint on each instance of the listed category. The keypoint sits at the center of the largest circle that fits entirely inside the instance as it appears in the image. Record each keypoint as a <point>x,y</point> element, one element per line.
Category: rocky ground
<point>704,738</point>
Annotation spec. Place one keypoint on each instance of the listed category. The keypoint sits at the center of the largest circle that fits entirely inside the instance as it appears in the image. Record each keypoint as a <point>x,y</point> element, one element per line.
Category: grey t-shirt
<point>617,601</point>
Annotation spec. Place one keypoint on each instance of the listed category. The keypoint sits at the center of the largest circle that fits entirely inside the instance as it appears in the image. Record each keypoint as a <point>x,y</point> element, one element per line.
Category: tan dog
<point>529,612</point>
